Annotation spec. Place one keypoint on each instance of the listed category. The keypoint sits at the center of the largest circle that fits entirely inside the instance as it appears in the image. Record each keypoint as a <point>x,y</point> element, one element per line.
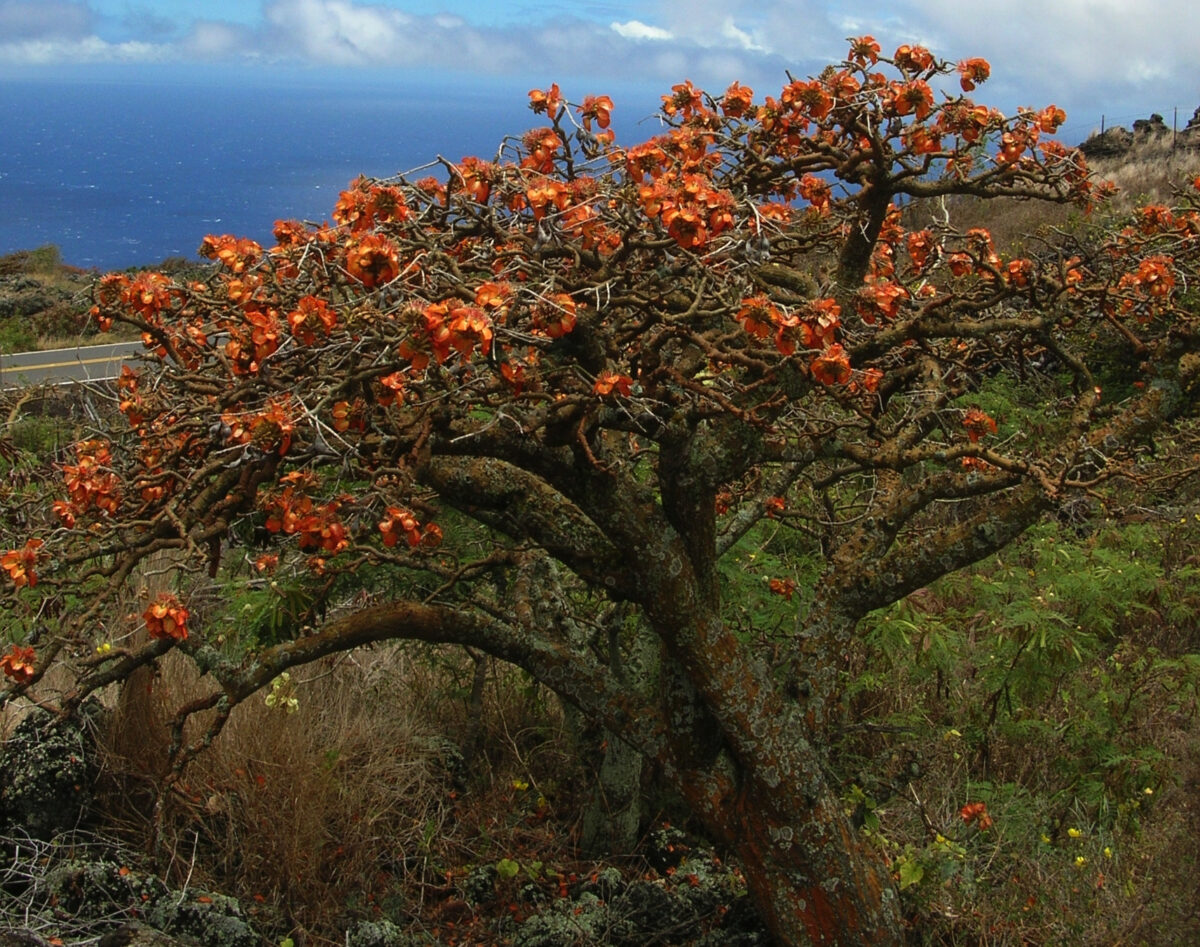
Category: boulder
<point>47,768</point>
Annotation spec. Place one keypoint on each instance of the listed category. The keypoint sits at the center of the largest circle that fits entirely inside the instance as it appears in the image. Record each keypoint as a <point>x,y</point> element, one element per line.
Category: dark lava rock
<point>47,768</point>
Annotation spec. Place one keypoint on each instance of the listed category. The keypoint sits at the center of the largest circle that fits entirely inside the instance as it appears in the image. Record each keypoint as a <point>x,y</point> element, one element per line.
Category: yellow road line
<point>37,366</point>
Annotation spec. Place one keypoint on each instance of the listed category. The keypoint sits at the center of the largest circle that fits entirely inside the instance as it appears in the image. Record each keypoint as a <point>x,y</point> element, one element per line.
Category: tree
<point>519,394</point>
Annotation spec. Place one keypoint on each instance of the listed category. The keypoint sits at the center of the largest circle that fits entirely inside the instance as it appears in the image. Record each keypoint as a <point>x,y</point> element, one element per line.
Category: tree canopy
<point>495,399</point>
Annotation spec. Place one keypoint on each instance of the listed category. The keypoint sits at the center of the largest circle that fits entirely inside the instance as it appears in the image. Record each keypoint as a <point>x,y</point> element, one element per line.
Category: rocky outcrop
<point>1118,141</point>
<point>47,768</point>
<point>60,882</point>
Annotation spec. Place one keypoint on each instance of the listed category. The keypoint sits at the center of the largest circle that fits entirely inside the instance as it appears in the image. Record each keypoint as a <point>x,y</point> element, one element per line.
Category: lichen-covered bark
<point>814,879</point>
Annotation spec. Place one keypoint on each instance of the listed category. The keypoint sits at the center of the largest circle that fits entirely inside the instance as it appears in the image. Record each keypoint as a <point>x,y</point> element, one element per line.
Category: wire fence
<point>1176,119</point>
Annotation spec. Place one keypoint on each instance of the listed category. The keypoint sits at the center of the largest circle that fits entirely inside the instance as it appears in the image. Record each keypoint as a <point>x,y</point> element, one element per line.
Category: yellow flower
<point>1080,861</point>
<point>1107,852</point>
<point>1074,833</point>
<point>1045,838</point>
<point>1148,791</point>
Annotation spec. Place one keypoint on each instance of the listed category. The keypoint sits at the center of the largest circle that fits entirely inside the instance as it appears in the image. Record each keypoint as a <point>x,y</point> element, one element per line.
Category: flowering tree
<point>528,389</point>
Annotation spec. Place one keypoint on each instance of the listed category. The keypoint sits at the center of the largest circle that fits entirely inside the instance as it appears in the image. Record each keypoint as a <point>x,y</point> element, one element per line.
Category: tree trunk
<point>613,816</point>
<point>813,877</point>
<point>753,771</point>
<point>612,821</point>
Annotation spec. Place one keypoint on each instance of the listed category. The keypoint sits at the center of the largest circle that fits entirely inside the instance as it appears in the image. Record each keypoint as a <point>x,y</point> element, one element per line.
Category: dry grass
<point>303,813</point>
<point>1152,174</point>
<point>357,804</point>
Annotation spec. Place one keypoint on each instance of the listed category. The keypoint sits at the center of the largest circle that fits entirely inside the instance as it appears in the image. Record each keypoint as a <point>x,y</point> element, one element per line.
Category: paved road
<point>63,366</point>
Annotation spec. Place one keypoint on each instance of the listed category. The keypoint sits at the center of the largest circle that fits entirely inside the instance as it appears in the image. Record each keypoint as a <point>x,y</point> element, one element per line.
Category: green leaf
<point>506,868</point>
<point>911,873</point>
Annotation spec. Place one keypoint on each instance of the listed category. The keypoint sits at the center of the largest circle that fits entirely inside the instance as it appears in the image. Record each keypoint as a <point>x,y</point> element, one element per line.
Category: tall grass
<point>354,802</point>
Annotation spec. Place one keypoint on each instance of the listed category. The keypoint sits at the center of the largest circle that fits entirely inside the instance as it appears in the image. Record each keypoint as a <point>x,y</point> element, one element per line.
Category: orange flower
<point>62,509</point>
<point>596,108</point>
<point>976,812</point>
<point>1049,118</point>
<point>784,587</point>
<point>18,664</point>
<point>90,483</point>
<point>1020,272</point>
<point>291,233</point>
<point>816,191</point>
<point>913,58</point>
<point>758,316</point>
<point>393,388</point>
<point>685,100</point>
<point>400,522</point>
<point>166,618</point>
<point>478,177</point>
<point>871,379</point>
<point>737,100</point>
<point>346,415</point>
<point>978,424</point>
<point>915,98</point>
<point>1155,276</point>
<point>310,316</point>
<point>268,562</point>
<point>236,253</point>
<point>973,71</point>
<point>921,141</point>
<point>864,49</point>
<point>148,294</point>
<point>372,260</point>
<point>546,194</point>
<point>831,367</point>
<point>19,563</point>
<point>547,102</point>
<point>609,383</point>
<point>541,144</point>
<point>809,99</point>
<point>493,298</point>
<point>921,245</point>
<point>883,299</point>
<point>686,225</point>
<point>555,316</point>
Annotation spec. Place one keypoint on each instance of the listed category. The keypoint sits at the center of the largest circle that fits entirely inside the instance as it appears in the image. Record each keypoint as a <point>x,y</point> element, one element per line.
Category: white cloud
<point>340,32</point>
<point>1093,57</point>
<point>740,38</point>
<point>209,40</point>
<point>90,49</point>
<point>1112,56</point>
<point>637,30</point>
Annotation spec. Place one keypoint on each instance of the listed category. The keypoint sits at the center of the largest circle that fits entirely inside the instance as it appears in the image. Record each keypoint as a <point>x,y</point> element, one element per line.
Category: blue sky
<point>1119,58</point>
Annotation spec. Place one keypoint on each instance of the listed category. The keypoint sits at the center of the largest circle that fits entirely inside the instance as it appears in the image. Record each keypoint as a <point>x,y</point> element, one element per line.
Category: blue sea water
<point>124,169</point>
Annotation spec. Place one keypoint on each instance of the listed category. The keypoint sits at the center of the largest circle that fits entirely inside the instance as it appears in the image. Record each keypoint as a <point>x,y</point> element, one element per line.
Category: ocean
<point>123,168</point>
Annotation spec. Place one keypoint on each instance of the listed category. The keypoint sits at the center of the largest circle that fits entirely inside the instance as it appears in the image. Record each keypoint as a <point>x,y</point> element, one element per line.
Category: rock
<point>47,768</point>
<point>1150,127</point>
<point>386,934</point>
<point>213,920</point>
<point>701,901</point>
<point>479,886</point>
<point>1113,143</point>
<point>96,889</point>
<point>1117,141</point>
<point>578,923</point>
<point>138,935</point>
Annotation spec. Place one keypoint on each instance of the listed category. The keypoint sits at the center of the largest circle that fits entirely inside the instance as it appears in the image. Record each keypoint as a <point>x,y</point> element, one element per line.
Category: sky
<point>1120,59</point>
